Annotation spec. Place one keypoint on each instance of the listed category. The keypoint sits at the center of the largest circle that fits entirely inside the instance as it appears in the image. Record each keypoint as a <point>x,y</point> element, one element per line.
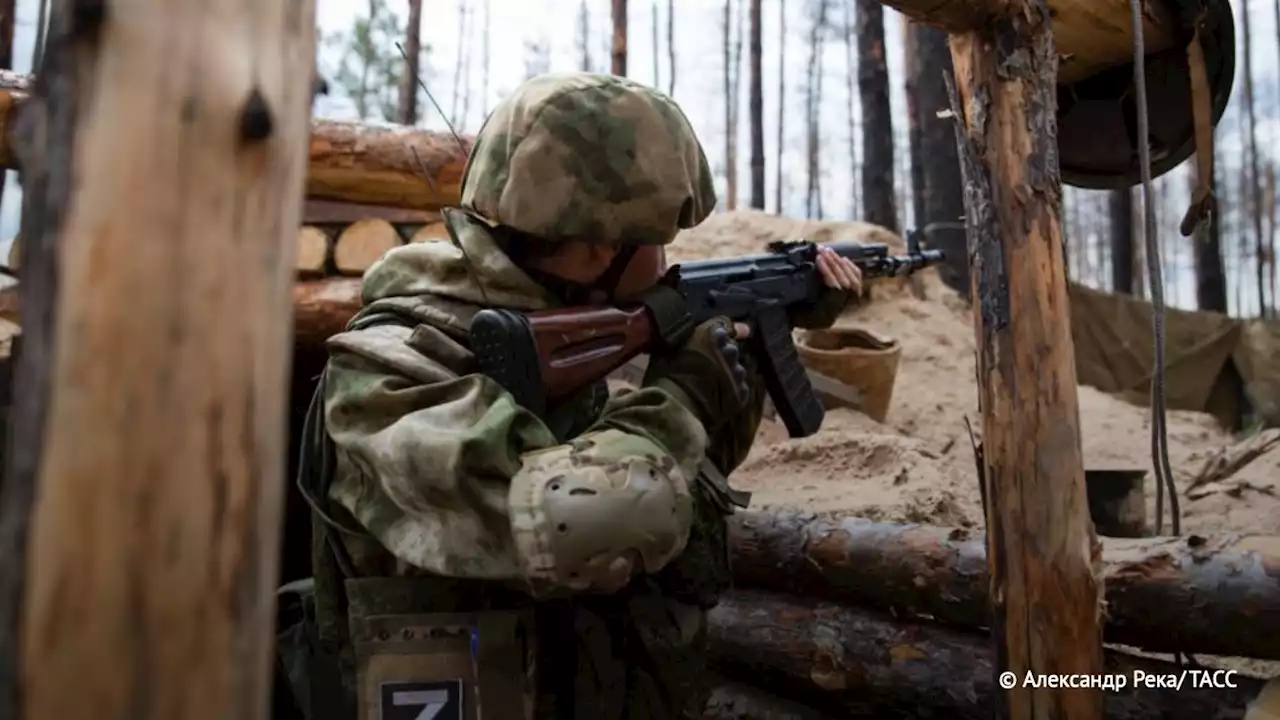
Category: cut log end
<point>431,232</point>
<point>362,243</point>
<point>312,252</point>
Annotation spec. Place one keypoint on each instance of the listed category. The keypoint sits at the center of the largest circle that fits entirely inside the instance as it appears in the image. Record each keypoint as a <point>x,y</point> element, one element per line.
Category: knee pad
<point>587,515</point>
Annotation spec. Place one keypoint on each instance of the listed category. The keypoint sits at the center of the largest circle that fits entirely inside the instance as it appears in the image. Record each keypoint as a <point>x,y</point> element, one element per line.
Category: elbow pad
<point>586,515</point>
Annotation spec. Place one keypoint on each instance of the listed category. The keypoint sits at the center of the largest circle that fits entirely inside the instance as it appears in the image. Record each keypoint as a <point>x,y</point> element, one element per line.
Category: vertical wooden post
<point>1042,550</point>
<point>165,151</point>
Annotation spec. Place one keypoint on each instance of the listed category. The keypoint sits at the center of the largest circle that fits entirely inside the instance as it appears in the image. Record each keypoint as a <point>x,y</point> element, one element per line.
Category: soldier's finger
<point>828,269</point>
<point>741,331</point>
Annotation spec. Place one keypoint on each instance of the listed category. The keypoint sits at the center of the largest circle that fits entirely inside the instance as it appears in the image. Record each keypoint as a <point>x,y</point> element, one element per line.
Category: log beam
<point>1042,552</point>
<point>922,571</point>
<point>387,165</point>
<point>1091,35</point>
<point>854,663</point>
<point>164,154</point>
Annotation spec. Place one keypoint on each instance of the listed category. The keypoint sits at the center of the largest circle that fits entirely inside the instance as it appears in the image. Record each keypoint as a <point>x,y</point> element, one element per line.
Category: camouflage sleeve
<point>451,476</point>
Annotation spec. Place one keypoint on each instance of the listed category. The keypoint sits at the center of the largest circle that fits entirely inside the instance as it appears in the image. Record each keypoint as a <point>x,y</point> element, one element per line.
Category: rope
<point>1159,431</point>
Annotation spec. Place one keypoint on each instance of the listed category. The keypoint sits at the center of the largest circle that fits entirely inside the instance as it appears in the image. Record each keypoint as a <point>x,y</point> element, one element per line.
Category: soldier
<point>469,552</point>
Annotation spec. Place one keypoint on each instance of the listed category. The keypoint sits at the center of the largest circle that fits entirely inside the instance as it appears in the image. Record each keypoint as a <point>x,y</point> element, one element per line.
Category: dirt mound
<point>918,465</point>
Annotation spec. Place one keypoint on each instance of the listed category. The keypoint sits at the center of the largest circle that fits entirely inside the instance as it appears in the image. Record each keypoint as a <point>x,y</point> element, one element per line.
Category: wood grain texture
<point>921,571</point>
<point>378,164</point>
<point>854,663</point>
<point>1043,556</point>
<point>1091,35</point>
<point>157,440</point>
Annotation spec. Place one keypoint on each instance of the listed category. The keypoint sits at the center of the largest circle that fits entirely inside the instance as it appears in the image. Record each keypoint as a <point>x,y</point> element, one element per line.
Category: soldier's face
<point>584,263</point>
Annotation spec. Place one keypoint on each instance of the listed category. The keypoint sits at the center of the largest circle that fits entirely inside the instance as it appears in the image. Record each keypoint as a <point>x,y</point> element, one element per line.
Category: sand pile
<point>918,465</point>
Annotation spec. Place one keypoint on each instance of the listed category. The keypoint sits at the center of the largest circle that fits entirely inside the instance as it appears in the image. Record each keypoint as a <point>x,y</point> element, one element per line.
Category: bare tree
<point>42,27</point>
<point>730,113</point>
<point>671,48</point>
<point>911,66</point>
<point>584,36</point>
<point>939,161</point>
<point>459,61</point>
<point>757,107</point>
<point>851,90</point>
<point>877,120</point>
<point>408,106</point>
<point>813,103</point>
<point>1255,180</point>
<point>655,43</point>
<point>484,49</point>
<point>782,105</point>
<point>1121,226</point>
<point>618,54</point>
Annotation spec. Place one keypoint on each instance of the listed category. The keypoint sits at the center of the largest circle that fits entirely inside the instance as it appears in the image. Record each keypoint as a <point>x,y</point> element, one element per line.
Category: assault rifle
<point>545,355</point>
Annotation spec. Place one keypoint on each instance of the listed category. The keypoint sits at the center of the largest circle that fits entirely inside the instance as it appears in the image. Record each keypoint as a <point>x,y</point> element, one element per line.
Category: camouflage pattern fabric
<point>418,478</point>
<point>581,156</point>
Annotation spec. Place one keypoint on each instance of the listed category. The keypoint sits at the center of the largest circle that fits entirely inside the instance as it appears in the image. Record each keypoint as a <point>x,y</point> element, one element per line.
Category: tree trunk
<point>618,55</point>
<point>851,92</point>
<point>149,425</point>
<point>408,106</point>
<point>862,664</point>
<point>1255,181</point>
<point>813,92</point>
<point>757,107</point>
<point>878,206</point>
<point>41,32</point>
<point>780,151</point>
<point>730,104</point>
<point>943,188</point>
<point>941,573</point>
<point>654,41</point>
<point>911,68</point>
<point>584,30</point>
<point>1121,211</point>
<point>671,48</point>
<point>1046,600</point>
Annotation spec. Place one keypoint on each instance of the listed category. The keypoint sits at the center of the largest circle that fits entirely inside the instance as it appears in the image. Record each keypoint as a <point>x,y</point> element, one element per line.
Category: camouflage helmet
<point>583,156</point>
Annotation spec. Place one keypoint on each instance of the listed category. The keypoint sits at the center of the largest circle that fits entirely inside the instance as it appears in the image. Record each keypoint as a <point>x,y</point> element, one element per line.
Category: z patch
<point>435,700</point>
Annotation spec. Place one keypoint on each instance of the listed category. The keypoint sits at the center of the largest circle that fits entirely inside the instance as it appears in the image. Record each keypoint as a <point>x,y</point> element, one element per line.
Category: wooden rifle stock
<point>546,355</point>
<point>577,346</point>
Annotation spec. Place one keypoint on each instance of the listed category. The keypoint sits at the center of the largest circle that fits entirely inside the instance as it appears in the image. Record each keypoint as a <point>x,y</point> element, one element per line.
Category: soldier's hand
<point>707,371</point>
<point>842,283</point>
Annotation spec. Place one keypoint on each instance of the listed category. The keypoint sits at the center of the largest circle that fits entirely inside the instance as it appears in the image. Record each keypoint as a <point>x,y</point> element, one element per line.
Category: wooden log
<point>1046,601</point>
<point>14,259</point>
<point>1217,595</point>
<point>163,159</point>
<point>362,243</point>
<point>386,165</point>
<point>311,256</point>
<point>1091,35</point>
<point>318,211</point>
<point>869,665</point>
<point>430,233</point>
<point>732,700</point>
<point>322,308</point>
<point>390,165</point>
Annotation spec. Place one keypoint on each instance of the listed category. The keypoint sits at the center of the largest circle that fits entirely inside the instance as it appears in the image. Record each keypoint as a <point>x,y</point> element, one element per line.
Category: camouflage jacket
<point>424,448</point>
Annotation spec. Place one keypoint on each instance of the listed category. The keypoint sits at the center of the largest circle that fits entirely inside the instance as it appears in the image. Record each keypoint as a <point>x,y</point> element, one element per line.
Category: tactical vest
<point>424,644</point>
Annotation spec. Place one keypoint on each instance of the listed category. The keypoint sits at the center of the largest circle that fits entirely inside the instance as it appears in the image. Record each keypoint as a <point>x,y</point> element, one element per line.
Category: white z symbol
<point>433,701</point>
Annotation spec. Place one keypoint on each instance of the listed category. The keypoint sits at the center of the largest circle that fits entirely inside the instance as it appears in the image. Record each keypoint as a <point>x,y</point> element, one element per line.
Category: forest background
<point>828,70</point>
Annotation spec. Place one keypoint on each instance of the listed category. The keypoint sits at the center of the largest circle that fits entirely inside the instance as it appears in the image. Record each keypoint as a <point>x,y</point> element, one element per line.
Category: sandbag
<point>857,357</point>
